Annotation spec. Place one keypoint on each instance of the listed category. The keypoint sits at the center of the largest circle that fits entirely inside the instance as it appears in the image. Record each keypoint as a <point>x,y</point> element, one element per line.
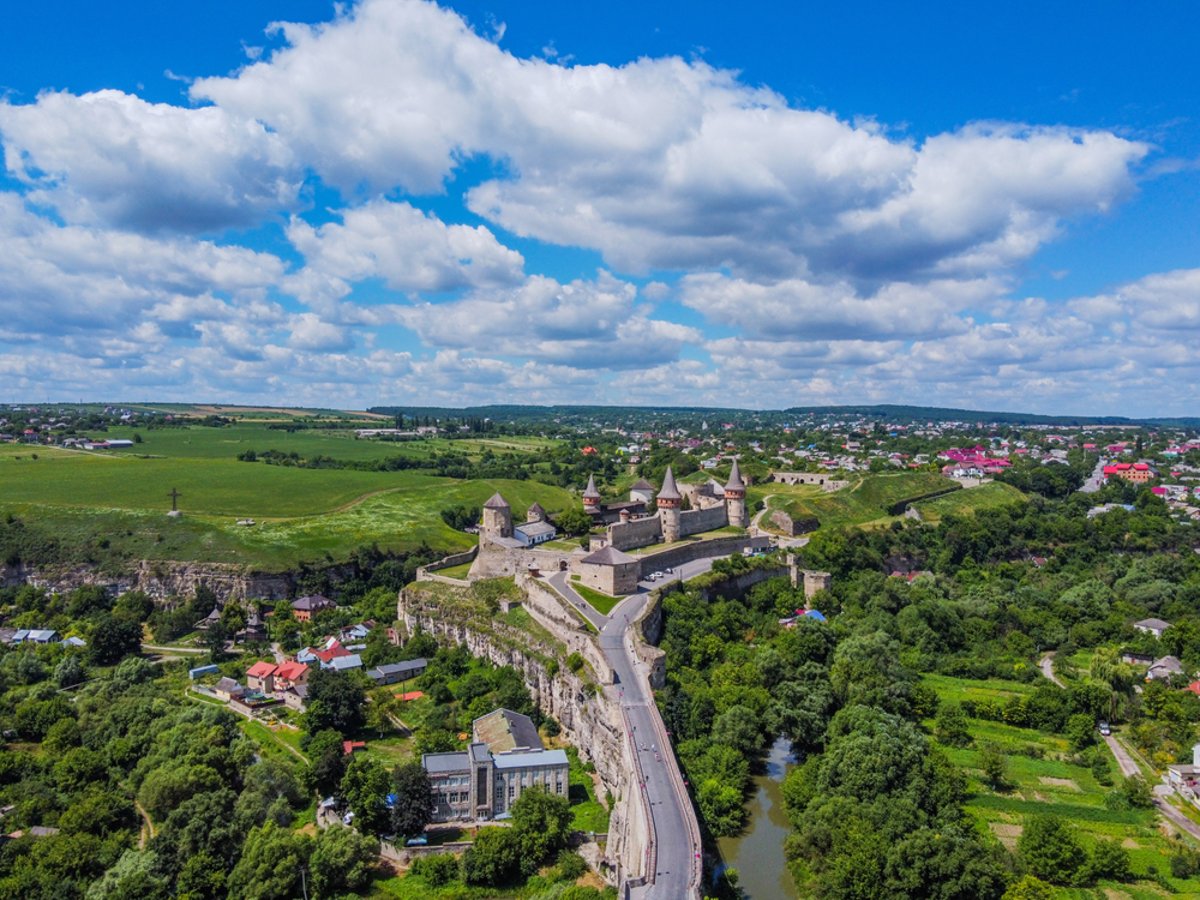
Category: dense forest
<point>876,805</point>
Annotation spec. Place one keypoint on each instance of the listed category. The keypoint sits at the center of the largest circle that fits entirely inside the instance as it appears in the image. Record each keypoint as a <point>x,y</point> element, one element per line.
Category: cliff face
<point>590,721</point>
<point>158,580</point>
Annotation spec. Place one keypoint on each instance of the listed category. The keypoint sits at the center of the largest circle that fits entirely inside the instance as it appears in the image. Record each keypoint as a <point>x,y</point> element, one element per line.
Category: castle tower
<point>735,498</point>
<point>591,496</point>
<point>497,518</point>
<point>535,513</point>
<point>668,507</point>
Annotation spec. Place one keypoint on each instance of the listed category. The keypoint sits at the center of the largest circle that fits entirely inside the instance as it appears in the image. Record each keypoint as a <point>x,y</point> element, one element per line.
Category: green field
<point>1053,785</point>
<point>992,495</point>
<point>864,502</point>
<point>602,603</point>
<point>112,505</point>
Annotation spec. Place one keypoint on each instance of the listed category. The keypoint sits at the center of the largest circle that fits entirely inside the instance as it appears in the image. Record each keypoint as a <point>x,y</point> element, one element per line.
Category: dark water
<point>758,853</point>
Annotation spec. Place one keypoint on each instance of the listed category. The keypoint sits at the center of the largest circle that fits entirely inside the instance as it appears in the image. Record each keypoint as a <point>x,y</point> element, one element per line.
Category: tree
<point>950,727</point>
<point>269,865</point>
<point>1110,860</point>
<point>328,761</point>
<point>342,862</point>
<point>866,669</point>
<point>113,639</point>
<point>994,764</point>
<point>1029,887</point>
<point>542,822</point>
<point>365,787</point>
<point>494,858</point>
<point>335,700</point>
<point>437,870</point>
<point>573,521</point>
<point>215,637</point>
<point>1048,849</point>
<point>1081,731</point>
<point>1137,793</point>
<point>414,800</point>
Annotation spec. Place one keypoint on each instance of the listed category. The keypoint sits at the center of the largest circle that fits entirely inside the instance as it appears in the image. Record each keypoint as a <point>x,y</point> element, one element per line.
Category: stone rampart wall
<point>635,533</point>
<point>694,521</point>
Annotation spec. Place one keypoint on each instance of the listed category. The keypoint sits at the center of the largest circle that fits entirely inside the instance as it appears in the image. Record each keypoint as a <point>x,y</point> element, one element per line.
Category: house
<point>296,697</point>
<point>34,636</point>
<point>261,677</point>
<point>73,641</point>
<point>1155,627</point>
<point>505,731</point>
<point>349,748</point>
<point>228,689</point>
<point>290,674</point>
<point>345,663</point>
<point>1163,668</point>
<point>304,608</point>
<point>325,654</point>
<point>391,673</point>
<point>1184,777</point>
<point>530,534</point>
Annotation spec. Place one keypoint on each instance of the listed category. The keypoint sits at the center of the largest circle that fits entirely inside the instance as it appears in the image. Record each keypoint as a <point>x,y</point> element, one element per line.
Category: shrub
<point>437,870</point>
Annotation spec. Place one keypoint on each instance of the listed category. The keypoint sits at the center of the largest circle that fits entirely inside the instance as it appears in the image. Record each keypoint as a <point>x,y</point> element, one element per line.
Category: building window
<point>511,790</point>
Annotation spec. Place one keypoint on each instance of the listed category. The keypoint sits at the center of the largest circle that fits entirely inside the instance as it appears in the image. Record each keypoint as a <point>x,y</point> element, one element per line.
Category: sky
<point>761,204</point>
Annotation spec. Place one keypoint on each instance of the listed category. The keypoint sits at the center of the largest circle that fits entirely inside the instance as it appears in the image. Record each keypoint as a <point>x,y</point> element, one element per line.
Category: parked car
<point>656,576</point>
<point>420,840</point>
<point>1104,729</point>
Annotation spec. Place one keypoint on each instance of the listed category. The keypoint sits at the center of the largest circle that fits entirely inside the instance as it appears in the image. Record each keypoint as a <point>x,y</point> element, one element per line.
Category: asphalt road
<point>562,584</point>
<point>676,855</point>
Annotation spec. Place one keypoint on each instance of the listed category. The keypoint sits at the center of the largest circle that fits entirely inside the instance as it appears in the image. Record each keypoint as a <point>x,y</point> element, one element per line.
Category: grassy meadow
<point>1052,785</point>
<point>113,504</point>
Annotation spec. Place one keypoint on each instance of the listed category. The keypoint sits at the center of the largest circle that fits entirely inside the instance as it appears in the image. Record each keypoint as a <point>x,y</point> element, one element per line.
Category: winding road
<point>1129,767</point>
<point>675,836</point>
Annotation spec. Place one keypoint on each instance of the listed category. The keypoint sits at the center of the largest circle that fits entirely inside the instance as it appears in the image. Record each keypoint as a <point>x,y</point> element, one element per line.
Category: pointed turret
<point>735,498</point>
<point>735,482</point>
<point>497,502</point>
<point>591,496</point>
<point>668,507</point>
<point>669,490</point>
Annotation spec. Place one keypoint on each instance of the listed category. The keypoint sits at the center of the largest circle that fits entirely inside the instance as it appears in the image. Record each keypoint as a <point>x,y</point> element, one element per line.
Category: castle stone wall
<point>694,521</point>
<point>635,533</point>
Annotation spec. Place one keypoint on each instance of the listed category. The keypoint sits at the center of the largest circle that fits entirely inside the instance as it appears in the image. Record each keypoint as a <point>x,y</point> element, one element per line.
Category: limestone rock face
<point>159,580</point>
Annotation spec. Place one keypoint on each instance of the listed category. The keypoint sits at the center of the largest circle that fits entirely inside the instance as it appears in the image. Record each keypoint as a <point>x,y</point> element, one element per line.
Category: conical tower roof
<point>669,490</point>
<point>497,502</point>
<point>735,479</point>
<point>591,492</point>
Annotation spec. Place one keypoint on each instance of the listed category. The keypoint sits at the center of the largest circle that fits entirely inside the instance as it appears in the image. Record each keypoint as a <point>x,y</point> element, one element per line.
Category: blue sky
<point>758,204</point>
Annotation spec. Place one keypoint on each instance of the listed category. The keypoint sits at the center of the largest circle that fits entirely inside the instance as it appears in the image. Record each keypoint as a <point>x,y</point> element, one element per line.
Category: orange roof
<point>1194,687</point>
<point>261,669</point>
<point>411,695</point>
<point>291,670</point>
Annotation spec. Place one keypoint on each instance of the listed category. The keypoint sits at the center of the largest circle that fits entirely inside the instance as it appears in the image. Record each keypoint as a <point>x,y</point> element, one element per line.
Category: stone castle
<point>505,549</point>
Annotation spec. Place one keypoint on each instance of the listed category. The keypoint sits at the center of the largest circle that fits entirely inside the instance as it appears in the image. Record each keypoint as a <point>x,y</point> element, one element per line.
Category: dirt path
<point>1047,665</point>
<point>147,831</point>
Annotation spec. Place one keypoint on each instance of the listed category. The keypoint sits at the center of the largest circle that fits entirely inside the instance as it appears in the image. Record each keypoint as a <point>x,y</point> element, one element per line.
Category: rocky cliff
<point>158,580</point>
<point>590,721</point>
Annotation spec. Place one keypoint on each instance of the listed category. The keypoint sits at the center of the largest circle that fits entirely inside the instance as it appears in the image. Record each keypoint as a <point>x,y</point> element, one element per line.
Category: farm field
<point>1052,785</point>
<point>202,442</point>
<point>112,505</point>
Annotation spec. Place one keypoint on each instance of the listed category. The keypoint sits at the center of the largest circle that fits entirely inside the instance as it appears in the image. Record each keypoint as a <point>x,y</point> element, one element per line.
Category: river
<point>757,854</point>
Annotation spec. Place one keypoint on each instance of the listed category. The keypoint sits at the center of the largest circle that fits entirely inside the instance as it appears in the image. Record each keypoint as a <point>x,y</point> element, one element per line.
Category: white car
<point>1104,729</point>
<point>656,576</point>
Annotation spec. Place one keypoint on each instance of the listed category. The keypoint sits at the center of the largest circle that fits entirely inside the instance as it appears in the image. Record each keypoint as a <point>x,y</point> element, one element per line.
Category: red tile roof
<point>261,669</point>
